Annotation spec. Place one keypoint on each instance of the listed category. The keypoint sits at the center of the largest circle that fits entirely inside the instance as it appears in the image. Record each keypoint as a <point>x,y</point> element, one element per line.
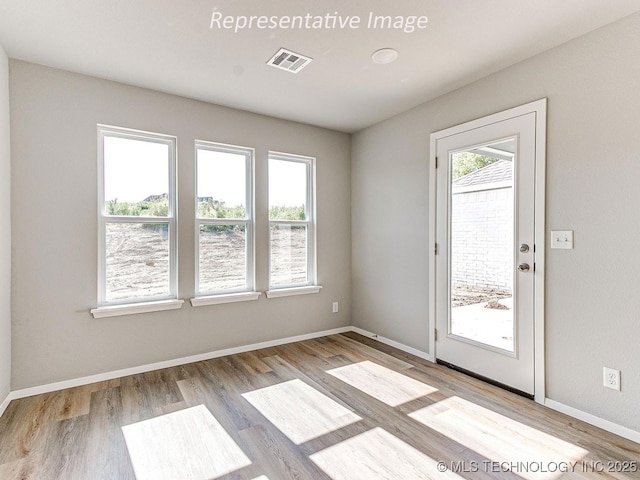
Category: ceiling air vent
<point>289,61</point>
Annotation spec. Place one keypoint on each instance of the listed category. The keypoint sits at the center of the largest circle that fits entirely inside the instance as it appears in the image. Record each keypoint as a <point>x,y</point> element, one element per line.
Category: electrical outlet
<point>335,307</point>
<point>611,378</point>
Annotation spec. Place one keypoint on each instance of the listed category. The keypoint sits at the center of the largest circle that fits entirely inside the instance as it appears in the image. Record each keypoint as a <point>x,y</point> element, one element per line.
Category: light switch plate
<point>562,239</point>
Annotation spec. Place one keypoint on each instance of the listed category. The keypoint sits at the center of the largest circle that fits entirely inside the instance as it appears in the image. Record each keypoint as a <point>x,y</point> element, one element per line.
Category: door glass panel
<point>481,248</point>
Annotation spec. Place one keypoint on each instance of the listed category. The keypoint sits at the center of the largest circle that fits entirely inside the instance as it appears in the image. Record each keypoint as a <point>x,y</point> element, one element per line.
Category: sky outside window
<point>134,169</point>
<point>287,183</point>
<point>222,177</point>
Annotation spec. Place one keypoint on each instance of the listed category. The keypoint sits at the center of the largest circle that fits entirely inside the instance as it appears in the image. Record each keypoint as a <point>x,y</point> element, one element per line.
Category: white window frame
<point>311,285</point>
<point>238,294</point>
<point>143,304</point>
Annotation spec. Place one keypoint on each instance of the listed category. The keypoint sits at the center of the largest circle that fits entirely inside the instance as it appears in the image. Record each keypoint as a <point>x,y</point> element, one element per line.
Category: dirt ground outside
<point>137,263</point>
<point>138,266</point>
<point>462,295</point>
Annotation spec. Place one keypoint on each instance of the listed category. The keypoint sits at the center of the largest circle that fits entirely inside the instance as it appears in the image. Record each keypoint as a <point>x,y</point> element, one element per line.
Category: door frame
<point>539,107</point>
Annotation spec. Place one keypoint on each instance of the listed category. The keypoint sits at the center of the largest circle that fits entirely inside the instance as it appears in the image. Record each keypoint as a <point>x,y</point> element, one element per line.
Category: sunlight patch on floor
<point>499,438</point>
<point>382,383</point>
<point>189,444</point>
<point>300,411</point>
<point>377,454</point>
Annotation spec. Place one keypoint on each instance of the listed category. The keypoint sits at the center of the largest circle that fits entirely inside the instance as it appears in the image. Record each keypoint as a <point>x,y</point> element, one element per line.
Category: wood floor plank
<point>26,425</point>
<point>281,409</point>
<point>197,391</point>
<point>288,371</point>
<point>275,457</point>
<point>57,456</point>
<point>18,469</point>
<point>364,352</point>
<point>173,407</point>
<point>225,385</point>
<point>104,451</point>
<point>318,348</point>
<point>144,394</point>
<point>74,402</point>
<point>253,363</point>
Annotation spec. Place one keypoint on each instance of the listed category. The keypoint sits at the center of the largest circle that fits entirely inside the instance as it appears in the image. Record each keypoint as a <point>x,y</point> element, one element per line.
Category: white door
<point>486,253</point>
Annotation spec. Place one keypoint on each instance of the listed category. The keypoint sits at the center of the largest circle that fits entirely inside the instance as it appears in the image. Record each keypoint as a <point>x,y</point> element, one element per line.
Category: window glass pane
<point>288,255</point>
<point>222,258</point>
<point>136,177</point>
<point>287,190</point>
<point>222,184</point>
<point>137,260</point>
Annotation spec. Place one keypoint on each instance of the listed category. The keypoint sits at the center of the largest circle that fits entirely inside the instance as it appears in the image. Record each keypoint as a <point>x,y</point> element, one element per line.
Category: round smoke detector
<point>384,55</point>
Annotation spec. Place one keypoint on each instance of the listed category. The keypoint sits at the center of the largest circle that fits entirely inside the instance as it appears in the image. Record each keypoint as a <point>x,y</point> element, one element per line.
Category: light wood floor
<point>341,407</point>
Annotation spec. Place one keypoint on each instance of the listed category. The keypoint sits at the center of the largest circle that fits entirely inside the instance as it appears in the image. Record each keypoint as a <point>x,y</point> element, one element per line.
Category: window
<point>224,219</point>
<point>137,220</point>
<point>292,260</point>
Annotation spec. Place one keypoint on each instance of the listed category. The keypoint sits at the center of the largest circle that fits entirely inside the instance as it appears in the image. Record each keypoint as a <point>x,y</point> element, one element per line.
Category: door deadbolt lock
<point>523,267</point>
<point>524,248</point>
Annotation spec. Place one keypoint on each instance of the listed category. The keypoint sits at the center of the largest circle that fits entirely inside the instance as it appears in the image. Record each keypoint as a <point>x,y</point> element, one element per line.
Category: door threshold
<point>485,379</point>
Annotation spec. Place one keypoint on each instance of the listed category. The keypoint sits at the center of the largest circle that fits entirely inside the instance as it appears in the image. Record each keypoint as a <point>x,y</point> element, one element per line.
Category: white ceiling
<point>168,45</point>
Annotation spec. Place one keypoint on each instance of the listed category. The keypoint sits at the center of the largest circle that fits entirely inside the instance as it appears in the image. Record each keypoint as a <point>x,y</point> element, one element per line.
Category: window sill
<point>288,292</point>
<point>133,308</point>
<point>225,298</point>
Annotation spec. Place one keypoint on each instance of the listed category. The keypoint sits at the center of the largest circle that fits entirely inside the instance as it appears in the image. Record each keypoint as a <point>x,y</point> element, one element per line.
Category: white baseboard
<point>5,403</point>
<point>393,343</point>
<point>624,432</point>
<point>101,377</point>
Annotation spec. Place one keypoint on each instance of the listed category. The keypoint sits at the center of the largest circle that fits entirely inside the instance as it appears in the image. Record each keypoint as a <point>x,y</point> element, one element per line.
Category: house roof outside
<point>499,172</point>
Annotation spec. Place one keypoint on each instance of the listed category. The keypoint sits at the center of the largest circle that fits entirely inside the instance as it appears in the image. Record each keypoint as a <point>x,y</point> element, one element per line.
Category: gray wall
<point>5,231</point>
<point>593,188</point>
<point>53,134</point>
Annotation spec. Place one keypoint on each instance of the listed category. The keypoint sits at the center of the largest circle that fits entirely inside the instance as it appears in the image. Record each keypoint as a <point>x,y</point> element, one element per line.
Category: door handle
<point>523,267</point>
